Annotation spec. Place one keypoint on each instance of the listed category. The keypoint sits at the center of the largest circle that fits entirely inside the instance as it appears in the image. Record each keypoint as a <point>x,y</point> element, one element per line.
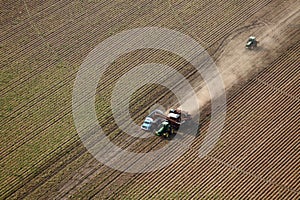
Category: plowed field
<point>43,44</point>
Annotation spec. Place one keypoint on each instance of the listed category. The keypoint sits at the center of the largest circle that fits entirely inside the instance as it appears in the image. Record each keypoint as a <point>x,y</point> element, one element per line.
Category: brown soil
<point>257,154</point>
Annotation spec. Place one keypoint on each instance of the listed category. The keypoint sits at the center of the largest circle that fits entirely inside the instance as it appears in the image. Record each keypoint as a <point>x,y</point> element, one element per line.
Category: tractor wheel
<point>166,135</point>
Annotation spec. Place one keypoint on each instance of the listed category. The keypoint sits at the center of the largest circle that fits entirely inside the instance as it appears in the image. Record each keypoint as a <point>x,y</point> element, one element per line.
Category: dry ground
<point>43,43</point>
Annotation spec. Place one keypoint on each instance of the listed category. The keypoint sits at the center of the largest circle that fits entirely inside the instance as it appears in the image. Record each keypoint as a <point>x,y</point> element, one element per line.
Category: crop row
<point>260,144</point>
<point>67,111</point>
<point>46,94</point>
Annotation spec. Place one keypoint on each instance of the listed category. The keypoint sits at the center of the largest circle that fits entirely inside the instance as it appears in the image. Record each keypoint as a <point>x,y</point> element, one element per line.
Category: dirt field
<point>43,44</point>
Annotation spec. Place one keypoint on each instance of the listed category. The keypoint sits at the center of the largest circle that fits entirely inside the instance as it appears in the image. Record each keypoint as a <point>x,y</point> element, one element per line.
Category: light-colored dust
<point>237,63</point>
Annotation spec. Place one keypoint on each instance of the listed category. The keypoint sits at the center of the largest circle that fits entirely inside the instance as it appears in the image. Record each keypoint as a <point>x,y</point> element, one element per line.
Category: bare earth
<point>42,45</point>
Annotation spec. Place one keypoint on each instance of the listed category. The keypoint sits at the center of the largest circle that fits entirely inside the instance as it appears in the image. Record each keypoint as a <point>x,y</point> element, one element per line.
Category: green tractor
<point>165,130</point>
<point>251,43</point>
<point>173,120</point>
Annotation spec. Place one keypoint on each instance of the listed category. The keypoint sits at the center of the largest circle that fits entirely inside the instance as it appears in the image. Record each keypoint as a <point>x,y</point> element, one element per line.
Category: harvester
<point>251,43</point>
<point>172,122</point>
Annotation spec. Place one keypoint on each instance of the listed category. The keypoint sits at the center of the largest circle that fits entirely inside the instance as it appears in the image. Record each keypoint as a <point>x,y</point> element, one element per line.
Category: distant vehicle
<point>152,121</point>
<point>251,43</point>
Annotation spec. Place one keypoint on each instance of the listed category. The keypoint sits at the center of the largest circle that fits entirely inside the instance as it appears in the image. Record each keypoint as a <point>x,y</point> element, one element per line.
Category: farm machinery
<point>251,43</point>
<point>170,123</point>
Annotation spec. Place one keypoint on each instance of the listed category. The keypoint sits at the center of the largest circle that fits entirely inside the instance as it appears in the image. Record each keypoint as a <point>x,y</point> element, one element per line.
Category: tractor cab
<point>251,43</point>
<point>165,130</point>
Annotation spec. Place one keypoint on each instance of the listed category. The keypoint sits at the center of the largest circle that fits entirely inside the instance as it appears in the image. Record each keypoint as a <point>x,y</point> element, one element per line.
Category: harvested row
<point>34,103</point>
<point>39,7</point>
<point>58,52</point>
<point>101,186</point>
<point>165,180</point>
<point>38,20</point>
<point>20,118</point>
<point>75,34</point>
<point>157,180</point>
<point>74,29</point>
